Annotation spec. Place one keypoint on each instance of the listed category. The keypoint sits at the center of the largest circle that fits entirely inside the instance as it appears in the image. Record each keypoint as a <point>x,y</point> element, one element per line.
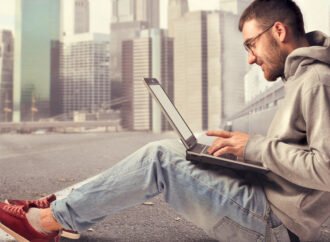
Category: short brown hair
<point>267,12</point>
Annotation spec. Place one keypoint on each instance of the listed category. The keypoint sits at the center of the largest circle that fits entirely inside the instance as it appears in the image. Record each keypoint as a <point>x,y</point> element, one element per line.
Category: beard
<point>274,61</point>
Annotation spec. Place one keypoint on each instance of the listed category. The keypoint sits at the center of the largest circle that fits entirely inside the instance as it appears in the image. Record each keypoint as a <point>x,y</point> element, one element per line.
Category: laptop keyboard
<point>200,148</point>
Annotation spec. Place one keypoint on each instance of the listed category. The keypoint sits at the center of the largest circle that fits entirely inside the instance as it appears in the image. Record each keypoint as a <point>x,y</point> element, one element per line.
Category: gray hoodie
<point>297,146</point>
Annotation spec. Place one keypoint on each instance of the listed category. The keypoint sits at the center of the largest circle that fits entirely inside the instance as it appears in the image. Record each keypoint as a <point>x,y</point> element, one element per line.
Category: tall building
<point>234,6</point>
<point>148,55</point>
<point>176,10</point>
<point>37,24</point>
<point>82,83</point>
<point>233,62</point>
<point>148,11</point>
<point>209,68</point>
<point>6,74</point>
<point>136,10</point>
<point>81,16</point>
<point>128,19</point>
<point>119,32</point>
<point>190,70</point>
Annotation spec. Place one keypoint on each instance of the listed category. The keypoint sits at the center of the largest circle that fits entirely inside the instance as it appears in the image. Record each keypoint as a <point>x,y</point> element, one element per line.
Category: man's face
<point>264,50</point>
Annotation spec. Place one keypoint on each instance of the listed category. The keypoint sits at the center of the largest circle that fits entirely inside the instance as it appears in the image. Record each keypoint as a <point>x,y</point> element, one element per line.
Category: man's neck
<point>302,42</point>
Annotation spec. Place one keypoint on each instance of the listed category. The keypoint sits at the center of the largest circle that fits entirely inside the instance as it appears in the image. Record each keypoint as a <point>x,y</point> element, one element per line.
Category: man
<point>293,199</point>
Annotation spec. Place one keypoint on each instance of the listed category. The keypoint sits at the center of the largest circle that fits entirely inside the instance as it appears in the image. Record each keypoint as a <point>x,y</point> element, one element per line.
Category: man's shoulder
<point>316,75</point>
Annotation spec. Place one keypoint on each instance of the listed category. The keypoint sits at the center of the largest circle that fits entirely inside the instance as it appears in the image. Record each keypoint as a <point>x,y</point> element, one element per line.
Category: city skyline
<point>100,13</point>
<point>127,13</point>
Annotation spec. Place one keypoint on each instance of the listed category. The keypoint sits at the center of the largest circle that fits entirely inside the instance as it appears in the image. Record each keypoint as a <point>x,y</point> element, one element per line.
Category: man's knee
<point>165,150</point>
<point>166,145</point>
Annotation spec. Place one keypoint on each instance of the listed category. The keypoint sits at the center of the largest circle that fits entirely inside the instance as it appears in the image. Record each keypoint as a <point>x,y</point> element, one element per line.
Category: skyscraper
<point>81,16</point>
<point>209,68</point>
<point>136,10</point>
<point>176,10</point>
<point>122,11</point>
<point>150,54</point>
<point>83,81</point>
<point>136,112</point>
<point>128,19</point>
<point>233,62</point>
<point>37,24</point>
<point>149,11</point>
<point>6,74</point>
<point>119,32</point>
<point>191,70</point>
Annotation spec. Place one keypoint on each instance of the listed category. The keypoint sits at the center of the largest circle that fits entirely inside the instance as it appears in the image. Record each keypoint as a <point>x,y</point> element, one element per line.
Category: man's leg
<point>220,201</point>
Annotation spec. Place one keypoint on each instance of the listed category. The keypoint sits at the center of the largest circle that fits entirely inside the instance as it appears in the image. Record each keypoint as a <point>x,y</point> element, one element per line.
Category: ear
<point>280,31</point>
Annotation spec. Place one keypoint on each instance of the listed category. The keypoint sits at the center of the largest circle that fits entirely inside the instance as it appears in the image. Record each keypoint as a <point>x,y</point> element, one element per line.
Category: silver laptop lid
<point>171,113</point>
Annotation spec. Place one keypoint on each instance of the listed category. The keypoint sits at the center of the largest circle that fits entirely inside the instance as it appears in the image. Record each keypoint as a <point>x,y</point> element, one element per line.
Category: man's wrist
<point>254,148</point>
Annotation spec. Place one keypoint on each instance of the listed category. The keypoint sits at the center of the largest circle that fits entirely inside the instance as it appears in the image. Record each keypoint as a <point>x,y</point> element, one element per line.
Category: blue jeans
<point>228,205</point>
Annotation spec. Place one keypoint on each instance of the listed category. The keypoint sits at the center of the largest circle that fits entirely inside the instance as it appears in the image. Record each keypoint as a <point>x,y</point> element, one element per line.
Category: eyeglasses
<point>249,44</point>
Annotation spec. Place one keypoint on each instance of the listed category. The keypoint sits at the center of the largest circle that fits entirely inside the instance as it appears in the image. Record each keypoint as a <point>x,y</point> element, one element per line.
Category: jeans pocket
<point>281,234</point>
<point>227,230</point>
<point>325,231</point>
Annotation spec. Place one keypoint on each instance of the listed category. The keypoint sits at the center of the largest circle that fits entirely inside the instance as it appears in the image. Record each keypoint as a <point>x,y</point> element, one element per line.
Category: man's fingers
<point>218,144</point>
<point>225,150</point>
<point>228,142</point>
<point>219,133</point>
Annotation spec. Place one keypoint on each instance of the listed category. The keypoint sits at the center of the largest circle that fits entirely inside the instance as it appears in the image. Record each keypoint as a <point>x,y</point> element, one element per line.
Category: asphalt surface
<point>34,165</point>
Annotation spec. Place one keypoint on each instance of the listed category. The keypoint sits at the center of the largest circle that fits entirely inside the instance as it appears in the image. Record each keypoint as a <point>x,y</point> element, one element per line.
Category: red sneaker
<point>40,203</point>
<point>14,222</point>
<point>44,203</point>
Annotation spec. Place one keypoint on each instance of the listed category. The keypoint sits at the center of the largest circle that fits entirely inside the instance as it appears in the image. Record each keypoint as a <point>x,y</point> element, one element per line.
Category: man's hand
<point>228,142</point>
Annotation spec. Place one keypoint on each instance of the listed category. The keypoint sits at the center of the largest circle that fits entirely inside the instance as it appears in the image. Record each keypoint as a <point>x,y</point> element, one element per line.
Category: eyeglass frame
<point>248,43</point>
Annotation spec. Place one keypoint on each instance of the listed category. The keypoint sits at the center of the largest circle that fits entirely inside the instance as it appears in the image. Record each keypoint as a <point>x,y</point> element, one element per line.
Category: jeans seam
<point>247,211</point>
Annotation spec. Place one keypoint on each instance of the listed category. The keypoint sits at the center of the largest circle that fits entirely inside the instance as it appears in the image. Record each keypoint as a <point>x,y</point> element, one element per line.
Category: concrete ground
<point>34,165</point>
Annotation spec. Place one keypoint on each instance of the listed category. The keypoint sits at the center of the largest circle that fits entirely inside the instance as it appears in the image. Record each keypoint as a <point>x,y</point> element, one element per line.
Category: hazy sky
<point>316,13</point>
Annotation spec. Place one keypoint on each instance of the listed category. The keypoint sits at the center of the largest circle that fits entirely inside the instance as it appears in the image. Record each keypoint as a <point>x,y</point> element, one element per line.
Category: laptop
<point>195,151</point>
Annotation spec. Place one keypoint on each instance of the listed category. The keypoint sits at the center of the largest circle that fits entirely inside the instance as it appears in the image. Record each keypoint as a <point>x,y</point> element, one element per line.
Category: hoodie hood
<point>318,51</point>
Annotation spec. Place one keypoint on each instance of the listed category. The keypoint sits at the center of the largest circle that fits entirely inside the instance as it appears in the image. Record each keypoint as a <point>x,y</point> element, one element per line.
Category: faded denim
<point>227,205</point>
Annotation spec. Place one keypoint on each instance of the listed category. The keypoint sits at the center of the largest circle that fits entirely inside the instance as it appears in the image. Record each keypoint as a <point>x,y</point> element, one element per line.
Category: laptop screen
<point>171,111</point>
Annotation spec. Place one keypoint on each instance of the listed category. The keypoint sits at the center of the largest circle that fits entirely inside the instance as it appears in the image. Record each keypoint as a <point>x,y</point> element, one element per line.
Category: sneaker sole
<point>12,233</point>
<point>69,235</point>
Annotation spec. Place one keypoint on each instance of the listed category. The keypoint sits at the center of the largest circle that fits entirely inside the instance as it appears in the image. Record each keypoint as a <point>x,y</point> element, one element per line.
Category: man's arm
<point>308,168</point>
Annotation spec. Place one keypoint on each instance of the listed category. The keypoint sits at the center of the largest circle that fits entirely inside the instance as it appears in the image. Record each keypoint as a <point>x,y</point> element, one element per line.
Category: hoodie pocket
<point>228,230</point>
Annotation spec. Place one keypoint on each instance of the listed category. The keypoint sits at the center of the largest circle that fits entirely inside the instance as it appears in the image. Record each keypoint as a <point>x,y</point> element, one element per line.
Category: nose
<point>251,58</point>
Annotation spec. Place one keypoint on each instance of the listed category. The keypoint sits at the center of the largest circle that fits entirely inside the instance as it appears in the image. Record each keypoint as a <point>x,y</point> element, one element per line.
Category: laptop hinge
<point>191,142</point>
